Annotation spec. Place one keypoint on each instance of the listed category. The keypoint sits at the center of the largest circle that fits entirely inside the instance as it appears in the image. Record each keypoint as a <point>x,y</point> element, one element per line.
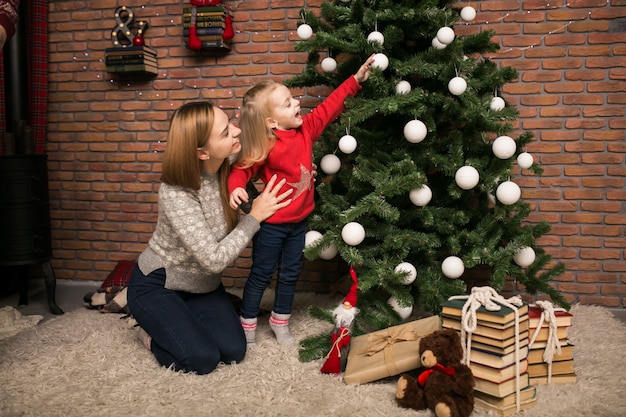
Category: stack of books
<point>493,358</point>
<point>131,60</point>
<point>210,25</point>
<point>563,363</point>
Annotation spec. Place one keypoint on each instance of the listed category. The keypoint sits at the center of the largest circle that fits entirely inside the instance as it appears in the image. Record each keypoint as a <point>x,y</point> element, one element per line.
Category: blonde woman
<point>175,293</point>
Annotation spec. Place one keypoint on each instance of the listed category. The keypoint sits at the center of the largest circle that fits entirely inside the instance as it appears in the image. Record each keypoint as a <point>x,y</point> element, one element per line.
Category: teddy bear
<point>446,387</point>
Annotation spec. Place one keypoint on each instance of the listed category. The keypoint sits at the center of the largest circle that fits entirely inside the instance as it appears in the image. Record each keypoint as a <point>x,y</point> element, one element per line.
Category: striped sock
<point>249,329</point>
<point>279,323</point>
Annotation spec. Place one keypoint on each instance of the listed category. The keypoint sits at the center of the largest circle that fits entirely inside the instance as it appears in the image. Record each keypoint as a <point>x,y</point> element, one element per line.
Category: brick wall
<point>106,132</point>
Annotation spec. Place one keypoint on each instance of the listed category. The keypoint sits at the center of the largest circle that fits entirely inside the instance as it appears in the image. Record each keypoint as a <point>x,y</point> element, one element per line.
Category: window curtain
<point>34,15</point>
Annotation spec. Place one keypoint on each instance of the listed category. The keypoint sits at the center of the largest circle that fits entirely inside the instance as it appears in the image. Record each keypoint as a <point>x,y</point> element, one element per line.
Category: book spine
<point>205,31</point>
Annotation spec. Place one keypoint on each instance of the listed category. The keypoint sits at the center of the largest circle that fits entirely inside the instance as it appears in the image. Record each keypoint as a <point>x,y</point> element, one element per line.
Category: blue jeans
<point>190,332</point>
<point>274,247</point>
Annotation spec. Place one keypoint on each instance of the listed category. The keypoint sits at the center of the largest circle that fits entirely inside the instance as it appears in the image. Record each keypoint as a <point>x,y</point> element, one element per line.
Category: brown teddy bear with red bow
<point>446,387</point>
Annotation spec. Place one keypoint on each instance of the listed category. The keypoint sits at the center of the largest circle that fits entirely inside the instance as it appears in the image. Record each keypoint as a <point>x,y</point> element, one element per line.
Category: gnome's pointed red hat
<point>351,297</point>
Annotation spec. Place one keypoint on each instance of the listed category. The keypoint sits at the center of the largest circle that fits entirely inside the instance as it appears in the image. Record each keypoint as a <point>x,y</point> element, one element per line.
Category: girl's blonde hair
<point>256,138</point>
<point>189,130</point>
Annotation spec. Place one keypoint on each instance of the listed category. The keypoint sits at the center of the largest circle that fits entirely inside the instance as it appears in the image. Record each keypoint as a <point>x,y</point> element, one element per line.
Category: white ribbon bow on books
<point>552,344</point>
<point>492,301</point>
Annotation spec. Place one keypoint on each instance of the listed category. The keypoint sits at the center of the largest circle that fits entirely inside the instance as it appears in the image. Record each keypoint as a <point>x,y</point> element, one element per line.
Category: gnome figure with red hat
<point>344,315</point>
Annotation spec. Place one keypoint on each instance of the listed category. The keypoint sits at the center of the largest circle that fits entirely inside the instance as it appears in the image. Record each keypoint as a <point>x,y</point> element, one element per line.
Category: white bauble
<point>452,267</point>
<point>497,104</point>
<point>409,270</point>
<point>304,31</point>
<point>380,61</point>
<point>508,193</point>
<point>330,164</point>
<point>329,64</point>
<point>468,13</point>
<point>445,35</point>
<point>353,233</point>
<point>403,87</point>
<point>525,160</point>
<point>420,196</point>
<point>376,37</point>
<point>311,237</point>
<point>525,257</point>
<point>403,312</point>
<point>329,252</point>
<point>436,44</point>
<point>457,86</point>
<point>347,144</point>
<point>504,147</point>
<point>466,177</point>
<point>415,131</point>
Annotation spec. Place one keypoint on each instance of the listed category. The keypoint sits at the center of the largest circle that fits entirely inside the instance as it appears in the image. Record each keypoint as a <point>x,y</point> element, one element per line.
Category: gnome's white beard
<point>344,316</point>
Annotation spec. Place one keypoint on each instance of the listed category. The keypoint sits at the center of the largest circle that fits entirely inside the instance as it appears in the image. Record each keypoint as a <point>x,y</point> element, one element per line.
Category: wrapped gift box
<point>387,352</point>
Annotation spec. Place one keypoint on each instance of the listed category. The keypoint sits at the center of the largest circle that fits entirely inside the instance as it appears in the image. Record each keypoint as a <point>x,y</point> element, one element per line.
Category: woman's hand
<point>268,202</point>
<point>364,70</point>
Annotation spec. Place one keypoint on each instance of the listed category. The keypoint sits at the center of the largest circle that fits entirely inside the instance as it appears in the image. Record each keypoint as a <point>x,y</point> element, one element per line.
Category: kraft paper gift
<point>387,352</point>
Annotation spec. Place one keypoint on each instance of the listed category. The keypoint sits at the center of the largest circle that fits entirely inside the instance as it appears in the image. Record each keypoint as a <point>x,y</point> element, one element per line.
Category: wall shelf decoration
<point>129,54</point>
<point>208,28</point>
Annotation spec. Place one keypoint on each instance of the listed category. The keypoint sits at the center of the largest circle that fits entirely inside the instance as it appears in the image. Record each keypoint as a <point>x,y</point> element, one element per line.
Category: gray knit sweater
<point>191,240</point>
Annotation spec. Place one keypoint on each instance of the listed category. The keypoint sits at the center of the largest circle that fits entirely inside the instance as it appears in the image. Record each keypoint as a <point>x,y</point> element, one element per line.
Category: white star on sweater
<point>305,182</point>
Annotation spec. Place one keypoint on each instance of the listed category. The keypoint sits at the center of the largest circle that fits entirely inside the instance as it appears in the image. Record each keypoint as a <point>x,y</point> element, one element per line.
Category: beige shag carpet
<point>85,363</point>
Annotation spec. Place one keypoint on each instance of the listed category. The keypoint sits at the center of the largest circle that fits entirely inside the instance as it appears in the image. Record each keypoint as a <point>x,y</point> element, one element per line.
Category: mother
<point>175,293</point>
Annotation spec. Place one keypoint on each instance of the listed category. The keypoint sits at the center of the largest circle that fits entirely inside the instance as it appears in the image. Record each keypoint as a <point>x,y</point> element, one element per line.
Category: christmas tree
<point>416,186</point>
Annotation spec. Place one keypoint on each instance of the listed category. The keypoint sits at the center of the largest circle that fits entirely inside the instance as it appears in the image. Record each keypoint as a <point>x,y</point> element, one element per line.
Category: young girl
<point>278,140</point>
<point>175,293</point>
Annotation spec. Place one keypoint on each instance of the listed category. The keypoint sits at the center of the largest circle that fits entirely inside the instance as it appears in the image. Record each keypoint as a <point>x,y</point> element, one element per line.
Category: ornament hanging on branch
<point>445,35</point>
<point>403,87</point>
<point>408,269</point>
<point>380,61</point>
<point>525,160</point>
<point>504,147</point>
<point>468,13</point>
<point>403,311</point>
<point>508,193</point>
<point>457,86</point>
<point>329,64</point>
<point>304,30</point>
<point>330,164</point>
<point>452,267</point>
<point>376,36</point>
<point>466,177</point>
<point>421,196</point>
<point>415,131</point>
<point>353,233</point>
<point>497,103</point>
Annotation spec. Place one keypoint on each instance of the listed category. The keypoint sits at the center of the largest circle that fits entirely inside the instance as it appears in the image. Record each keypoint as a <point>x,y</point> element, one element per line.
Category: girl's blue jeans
<point>190,332</point>
<point>275,248</point>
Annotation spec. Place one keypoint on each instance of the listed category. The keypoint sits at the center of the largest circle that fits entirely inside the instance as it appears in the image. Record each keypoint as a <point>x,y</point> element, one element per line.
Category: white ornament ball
<point>457,86</point>
<point>304,31</point>
<point>408,269</point>
<point>415,131</point>
<point>330,164</point>
<point>525,160</point>
<point>445,35</point>
<point>525,257</point>
<point>436,44</point>
<point>466,177</point>
<point>380,61</point>
<point>403,87</point>
<point>311,237</point>
<point>376,37</point>
<point>403,312</point>
<point>420,196</point>
<point>468,13</point>
<point>329,252</point>
<point>452,267</point>
<point>347,144</point>
<point>504,147</point>
<point>508,193</point>
<point>497,104</point>
<point>329,64</point>
<point>353,233</point>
